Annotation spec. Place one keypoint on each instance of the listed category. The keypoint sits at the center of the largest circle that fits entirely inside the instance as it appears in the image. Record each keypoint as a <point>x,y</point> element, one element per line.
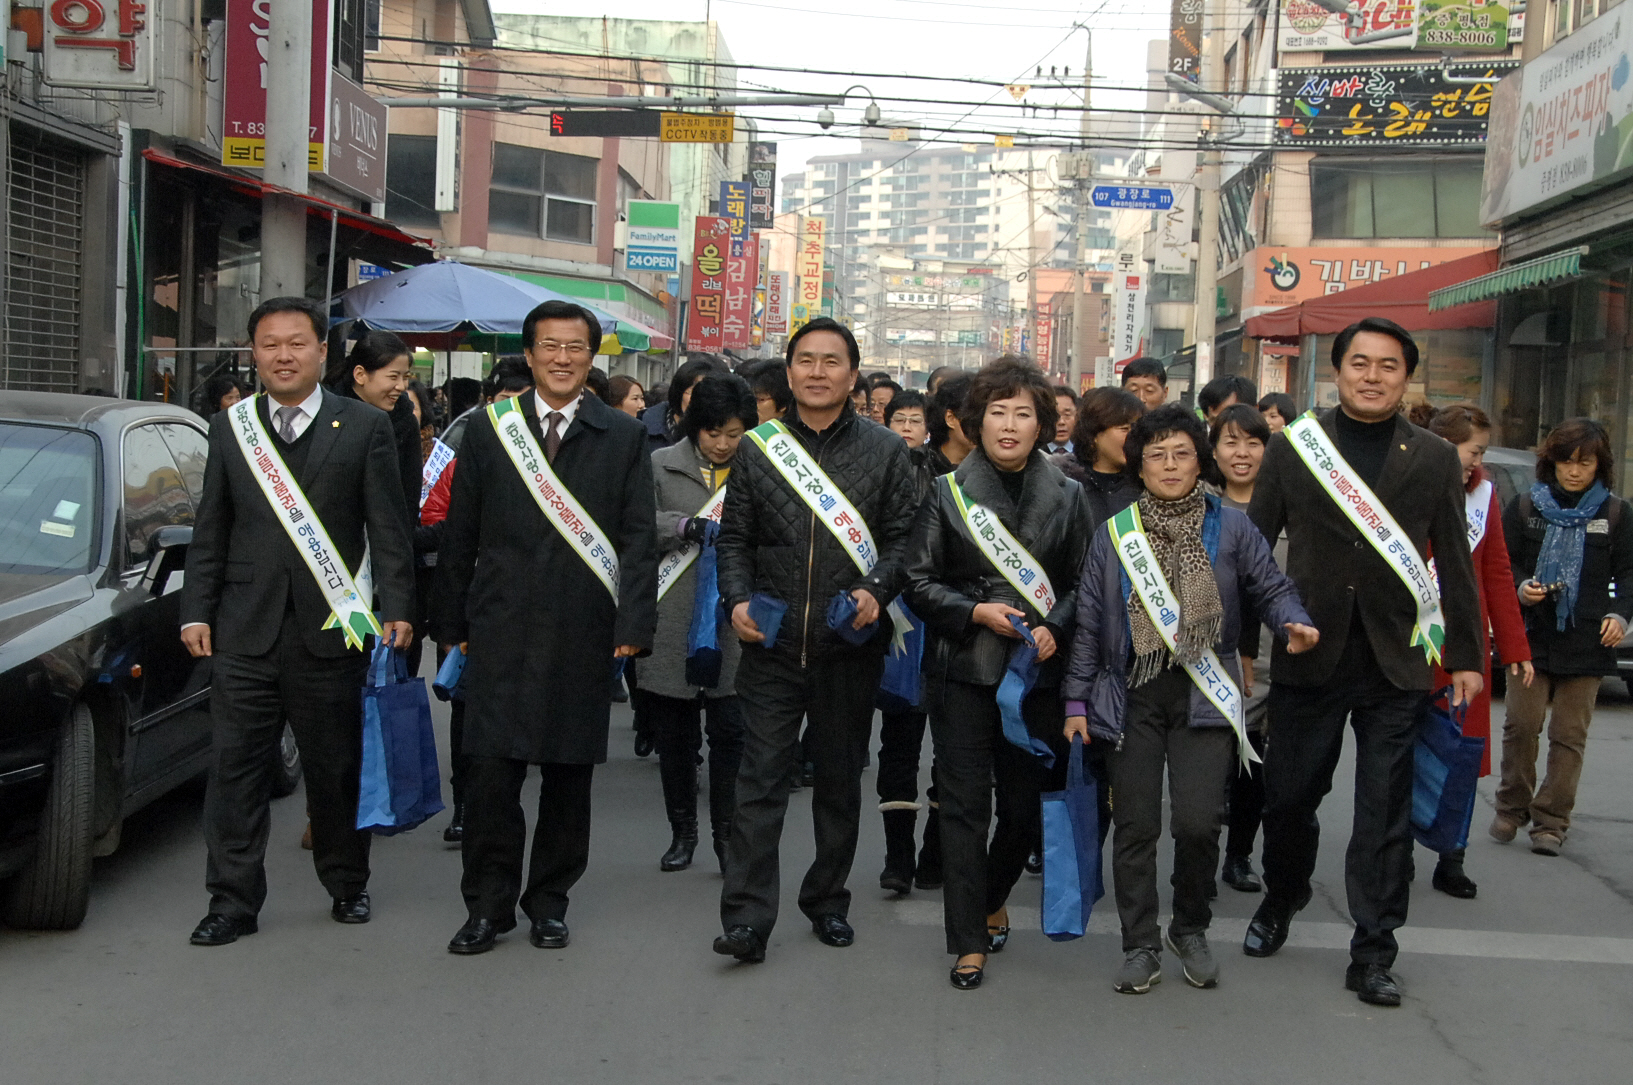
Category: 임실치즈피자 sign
<point>1400,105</point>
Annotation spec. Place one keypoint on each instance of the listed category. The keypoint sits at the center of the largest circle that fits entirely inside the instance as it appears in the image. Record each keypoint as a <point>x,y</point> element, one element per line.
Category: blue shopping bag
<point>899,688</point>
<point>400,785</point>
<point>1071,852</point>
<point>1445,768</point>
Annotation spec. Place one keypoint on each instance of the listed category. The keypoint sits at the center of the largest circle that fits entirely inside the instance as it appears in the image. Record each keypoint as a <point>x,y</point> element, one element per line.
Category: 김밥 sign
<point>1283,277</point>
<point>1399,105</point>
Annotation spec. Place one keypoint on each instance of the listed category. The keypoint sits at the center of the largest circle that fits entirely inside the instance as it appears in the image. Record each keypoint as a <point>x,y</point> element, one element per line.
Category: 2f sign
<point>99,45</point>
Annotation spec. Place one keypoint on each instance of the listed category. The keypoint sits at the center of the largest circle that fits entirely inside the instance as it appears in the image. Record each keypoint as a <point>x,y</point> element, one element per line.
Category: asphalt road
<point>1533,981</point>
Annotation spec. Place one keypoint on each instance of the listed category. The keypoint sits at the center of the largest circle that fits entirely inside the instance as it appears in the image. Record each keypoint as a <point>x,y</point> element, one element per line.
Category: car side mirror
<point>167,555</point>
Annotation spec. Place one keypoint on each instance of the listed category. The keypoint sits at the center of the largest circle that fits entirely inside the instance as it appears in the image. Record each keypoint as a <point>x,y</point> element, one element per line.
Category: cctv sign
<point>99,44</point>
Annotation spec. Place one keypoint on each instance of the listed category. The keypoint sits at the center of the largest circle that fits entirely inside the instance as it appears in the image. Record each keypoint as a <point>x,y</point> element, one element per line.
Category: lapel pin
<point>1403,447</point>
<point>336,425</point>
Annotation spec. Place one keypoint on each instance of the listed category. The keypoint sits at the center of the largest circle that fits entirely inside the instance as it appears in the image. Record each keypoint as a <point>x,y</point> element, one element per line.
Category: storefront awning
<point>1538,272</point>
<point>1403,299</point>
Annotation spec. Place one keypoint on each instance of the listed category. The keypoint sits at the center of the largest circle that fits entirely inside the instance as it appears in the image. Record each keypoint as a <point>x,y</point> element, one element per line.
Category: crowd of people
<point>761,560</point>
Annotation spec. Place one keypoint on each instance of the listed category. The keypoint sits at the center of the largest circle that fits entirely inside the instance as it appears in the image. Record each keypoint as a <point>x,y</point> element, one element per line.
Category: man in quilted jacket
<point>816,519</point>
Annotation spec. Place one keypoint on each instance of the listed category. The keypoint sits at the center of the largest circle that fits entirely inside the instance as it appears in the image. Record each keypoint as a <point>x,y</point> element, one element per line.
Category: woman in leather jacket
<point>966,604</point>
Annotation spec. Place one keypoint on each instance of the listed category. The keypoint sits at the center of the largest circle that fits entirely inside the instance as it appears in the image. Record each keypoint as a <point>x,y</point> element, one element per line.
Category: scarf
<point>1560,560</point>
<point>1175,531</point>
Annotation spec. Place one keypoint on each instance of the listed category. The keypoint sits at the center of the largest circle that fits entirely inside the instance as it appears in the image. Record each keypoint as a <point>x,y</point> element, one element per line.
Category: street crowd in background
<point>746,557</point>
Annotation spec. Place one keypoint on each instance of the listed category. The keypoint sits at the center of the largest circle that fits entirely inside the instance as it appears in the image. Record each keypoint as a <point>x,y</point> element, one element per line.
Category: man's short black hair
<point>882,382</point>
<point>1145,367</point>
<point>561,310</point>
<point>1220,389</point>
<point>1063,390</point>
<point>906,401</point>
<point>1381,326</point>
<point>939,374</point>
<point>1161,423</point>
<point>875,377</point>
<point>507,375</point>
<point>716,400</point>
<point>305,306</point>
<point>770,377</point>
<point>825,324</point>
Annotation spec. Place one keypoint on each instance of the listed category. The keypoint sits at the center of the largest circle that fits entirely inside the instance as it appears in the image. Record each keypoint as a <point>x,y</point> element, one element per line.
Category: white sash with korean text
<point>435,464</point>
<point>349,600</point>
<point>1476,511</point>
<point>570,519</point>
<point>1012,560</point>
<point>1357,501</point>
<point>1139,561</point>
<point>677,562</point>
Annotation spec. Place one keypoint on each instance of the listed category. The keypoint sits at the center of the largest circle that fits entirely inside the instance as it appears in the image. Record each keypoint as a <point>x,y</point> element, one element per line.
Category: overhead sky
<point>920,37</point>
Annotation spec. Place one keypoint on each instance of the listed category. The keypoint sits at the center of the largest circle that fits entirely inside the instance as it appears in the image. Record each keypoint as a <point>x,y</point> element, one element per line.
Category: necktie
<point>286,422</point>
<point>552,439</point>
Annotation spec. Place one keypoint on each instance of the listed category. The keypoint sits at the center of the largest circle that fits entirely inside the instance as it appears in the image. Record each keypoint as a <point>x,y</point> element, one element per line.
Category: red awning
<point>317,205</point>
<point>1403,299</point>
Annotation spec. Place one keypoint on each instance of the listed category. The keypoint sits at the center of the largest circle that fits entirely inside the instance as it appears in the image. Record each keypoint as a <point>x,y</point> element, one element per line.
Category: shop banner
<point>1282,277</point>
<point>243,89</point>
<point>711,248</point>
<point>98,46</point>
<point>1185,39</point>
<point>737,316</point>
<point>734,209</point>
<point>1045,334</point>
<point>1563,123</point>
<point>1463,24</point>
<point>762,180</point>
<point>1396,105</point>
<point>1308,27</point>
<point>779,291</point>
<point>653,238</point>
<point>1128,306</point>
<point>808,264</point>
<point>1175,250</point>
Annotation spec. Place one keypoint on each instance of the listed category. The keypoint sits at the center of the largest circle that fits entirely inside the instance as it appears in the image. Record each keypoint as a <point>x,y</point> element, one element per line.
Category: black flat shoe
<point>216,929</point>
<point>478,936</point>
<point>966,977</point>
<point>1238,874</point>
<point>1267,931</point>
<point>455,832</point>
<point>548,934</point>
<point>1372,984</point>
<point>1453,882</point>
<point>352,909</point>
<point>1034,863</point>
<point>643,744</point>
<point>744,943</point>
<point>832,930</point>
<point>997,939</point>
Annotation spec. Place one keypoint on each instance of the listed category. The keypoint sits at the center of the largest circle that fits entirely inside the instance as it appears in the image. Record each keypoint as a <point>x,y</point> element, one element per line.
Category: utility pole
<point>1032,266</point>
<point>1085,175</point>
<point>1207,197</point>
<point>288,126</point>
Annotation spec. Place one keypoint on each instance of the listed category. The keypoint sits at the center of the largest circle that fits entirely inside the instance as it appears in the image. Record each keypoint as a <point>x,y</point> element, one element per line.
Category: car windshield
<point>47,500</point>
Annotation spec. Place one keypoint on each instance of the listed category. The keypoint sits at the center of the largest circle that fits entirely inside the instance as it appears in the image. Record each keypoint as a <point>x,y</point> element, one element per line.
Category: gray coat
<point>677,472</point>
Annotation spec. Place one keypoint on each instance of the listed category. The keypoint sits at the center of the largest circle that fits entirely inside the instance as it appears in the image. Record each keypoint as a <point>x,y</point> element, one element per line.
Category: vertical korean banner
<point>711,247</point>
<point>243,92</point>
<point>762,247</point>
<point>734,209</point>
<point>762,180</point>
<point>737,321</point>
<point>1045,335</point>
<point>1128,312</point>
<point>779,292</point>
<point>808,295</point>
<point>1185,39</point>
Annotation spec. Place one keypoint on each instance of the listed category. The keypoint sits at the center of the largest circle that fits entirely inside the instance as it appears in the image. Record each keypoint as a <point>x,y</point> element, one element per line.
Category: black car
<point>103,709</point>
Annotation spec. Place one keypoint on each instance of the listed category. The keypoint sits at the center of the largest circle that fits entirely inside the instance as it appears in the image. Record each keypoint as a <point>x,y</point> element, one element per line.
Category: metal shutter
<point>45,220</point>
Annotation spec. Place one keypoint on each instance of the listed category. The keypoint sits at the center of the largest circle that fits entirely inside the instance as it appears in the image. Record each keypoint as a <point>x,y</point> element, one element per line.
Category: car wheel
<point>53,890</point>
<point>286,765</point>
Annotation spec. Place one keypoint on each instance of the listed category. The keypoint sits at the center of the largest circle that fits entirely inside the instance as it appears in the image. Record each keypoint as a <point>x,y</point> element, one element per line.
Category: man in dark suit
<point>543,619</point>
<point>1366,668</point>
<point>252,601</point>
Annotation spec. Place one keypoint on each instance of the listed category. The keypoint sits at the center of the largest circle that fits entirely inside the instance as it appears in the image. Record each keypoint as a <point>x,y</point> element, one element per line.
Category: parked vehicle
<point>103,709</point>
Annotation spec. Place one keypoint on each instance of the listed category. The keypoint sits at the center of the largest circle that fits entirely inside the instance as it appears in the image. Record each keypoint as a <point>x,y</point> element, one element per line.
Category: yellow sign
<point>1003,141</point>
<point>251,153</point>
<point>899,135</point>
<point>808,264</point>
<point>698,128</point>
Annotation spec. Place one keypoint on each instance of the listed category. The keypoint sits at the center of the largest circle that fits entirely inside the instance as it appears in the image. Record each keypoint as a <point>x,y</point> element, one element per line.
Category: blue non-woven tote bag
<point>400,785</point>
<point>1071,852</point>
<point>1445,768</point>
<point>899,687</point>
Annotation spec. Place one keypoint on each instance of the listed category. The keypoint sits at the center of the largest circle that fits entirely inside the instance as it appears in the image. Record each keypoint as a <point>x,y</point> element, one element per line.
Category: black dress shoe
<point>807,775</point>
<point>643,744</point>
<point>478,935</point>
<point>455,832</point>
<point>966,978</point>
<point>352,909</point>
<point>216,929</point>
<point>744,943</point>
<point>1267,931</point>
<point>548,934</point>
<point>1450,879</point>
<point>1238,874</point>
<point>832,930</point>
<point>997,939</point>
<point>1372,984</point>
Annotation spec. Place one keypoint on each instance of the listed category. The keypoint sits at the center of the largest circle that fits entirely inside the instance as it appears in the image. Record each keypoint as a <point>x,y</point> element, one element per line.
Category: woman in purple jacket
<point>1158,615</point>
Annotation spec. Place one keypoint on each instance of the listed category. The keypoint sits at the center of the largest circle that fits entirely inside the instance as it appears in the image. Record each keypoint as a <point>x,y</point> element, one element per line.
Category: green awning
<point>1538,272</point>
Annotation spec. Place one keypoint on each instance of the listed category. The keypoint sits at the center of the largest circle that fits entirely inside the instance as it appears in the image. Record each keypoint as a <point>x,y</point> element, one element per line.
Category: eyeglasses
<point>1179,457</point>
<point>549,347</point>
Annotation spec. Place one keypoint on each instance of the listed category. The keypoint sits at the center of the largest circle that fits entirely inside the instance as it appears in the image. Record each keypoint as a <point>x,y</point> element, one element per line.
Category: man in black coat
<point>1366,667</point>
<point>772,543</point>
<point>541,625</point>
<point>253,603</point>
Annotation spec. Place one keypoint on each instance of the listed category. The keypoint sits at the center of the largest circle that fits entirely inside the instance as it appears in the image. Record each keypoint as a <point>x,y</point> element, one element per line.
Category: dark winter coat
<point>947,574</point>
<point>771,542</point>
<point>541,626</point>
<point>1607,562</point>
<point>1243,568</point>
<point>1107,494</point>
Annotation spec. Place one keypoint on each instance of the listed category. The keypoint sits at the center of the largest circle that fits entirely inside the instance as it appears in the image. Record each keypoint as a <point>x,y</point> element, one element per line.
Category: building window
<point>411,180</point>
<point>349,43</point>
<point>542,194</point>
<point>1402,198</point>
<point>371,25</point>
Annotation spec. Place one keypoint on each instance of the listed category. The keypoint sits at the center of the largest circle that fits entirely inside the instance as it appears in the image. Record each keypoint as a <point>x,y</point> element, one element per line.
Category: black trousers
<point>1300,759</point>
<point>1246,796</point>
<point>973,762</point>
<point>1157,735</point>
<point>678,729</point>
<point>776,693</point>
<point>250,698</point>
<point>496,834</point>
<point>901,741</point>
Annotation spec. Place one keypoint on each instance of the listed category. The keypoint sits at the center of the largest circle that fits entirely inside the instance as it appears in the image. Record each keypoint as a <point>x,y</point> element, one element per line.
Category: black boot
<point>722,835</point>
<point>1450,879</point>
<point>898,872</point>
<point>928,875</point>
<point>679,855</point>
<point>679,775</point>
<point>455,832</point>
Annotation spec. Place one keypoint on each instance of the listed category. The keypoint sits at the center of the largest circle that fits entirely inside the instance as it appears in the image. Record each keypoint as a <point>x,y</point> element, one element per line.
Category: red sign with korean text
<point>243,92</point>
<point>711,249</point>
<point>737,318</point>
